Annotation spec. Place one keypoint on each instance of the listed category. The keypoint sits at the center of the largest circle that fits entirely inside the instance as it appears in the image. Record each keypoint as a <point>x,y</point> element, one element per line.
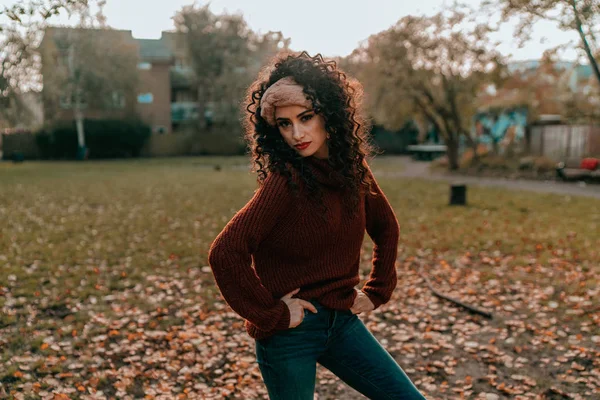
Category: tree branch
<point>437,121</point>
<point>469,307</point>
<point>586,45</point>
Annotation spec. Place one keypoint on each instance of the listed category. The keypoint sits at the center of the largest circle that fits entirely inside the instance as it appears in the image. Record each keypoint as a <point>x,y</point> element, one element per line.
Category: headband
<point>284,92</point>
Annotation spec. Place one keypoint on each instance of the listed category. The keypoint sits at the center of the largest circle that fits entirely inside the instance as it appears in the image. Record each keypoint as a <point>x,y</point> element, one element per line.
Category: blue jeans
<point>339,341</point>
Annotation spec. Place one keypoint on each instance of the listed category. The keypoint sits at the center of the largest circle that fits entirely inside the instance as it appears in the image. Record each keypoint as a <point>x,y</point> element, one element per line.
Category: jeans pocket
<point>304,321</point>
<point>310,320</point>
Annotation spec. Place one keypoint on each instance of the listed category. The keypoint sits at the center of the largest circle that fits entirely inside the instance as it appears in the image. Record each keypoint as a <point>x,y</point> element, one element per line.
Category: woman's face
<point>301,125</point>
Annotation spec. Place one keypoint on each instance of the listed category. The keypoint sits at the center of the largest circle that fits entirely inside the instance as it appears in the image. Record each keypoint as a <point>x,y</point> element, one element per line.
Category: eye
<point>283,124</point>
<point>306,117</point>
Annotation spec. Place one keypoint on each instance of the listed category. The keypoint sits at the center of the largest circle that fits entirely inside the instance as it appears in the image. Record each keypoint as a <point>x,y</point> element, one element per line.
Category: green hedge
<point>103,138</point>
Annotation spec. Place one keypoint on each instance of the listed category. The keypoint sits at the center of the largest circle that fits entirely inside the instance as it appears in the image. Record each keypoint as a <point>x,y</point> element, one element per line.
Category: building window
<point>68,100</point>
<point>184,95</point>
<point>145,98</point>
<point>180,62</point>
<point>144,66</point>
<point>118,99</point>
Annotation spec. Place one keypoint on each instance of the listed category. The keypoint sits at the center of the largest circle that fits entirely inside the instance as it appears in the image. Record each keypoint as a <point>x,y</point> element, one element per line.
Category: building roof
<point>149,49</point>
<point>154,50</point>
<point>56,32</point>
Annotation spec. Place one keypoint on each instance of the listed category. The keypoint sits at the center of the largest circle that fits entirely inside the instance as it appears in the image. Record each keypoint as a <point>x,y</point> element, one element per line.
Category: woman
<point>296,244</point>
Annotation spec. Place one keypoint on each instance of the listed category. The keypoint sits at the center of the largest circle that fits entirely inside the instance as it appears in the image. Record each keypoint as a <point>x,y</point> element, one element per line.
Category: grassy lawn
<point>104,286</point>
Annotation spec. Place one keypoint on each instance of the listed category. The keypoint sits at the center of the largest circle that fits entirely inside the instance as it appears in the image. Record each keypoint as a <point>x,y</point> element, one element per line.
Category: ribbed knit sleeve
<point>382,227</point>
<point>230,256</point>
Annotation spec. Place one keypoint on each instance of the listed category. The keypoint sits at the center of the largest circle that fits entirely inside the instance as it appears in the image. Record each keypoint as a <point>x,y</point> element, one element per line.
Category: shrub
<point>103,138</point>
<point>544,164</point>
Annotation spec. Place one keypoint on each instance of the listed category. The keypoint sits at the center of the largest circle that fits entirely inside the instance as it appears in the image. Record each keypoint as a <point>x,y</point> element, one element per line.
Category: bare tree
<point>581,16</point>
<point>95,62</point>
<point>225,55</point>
<point>44,9</point>
<point>431,69</point>
<point>21,26</point>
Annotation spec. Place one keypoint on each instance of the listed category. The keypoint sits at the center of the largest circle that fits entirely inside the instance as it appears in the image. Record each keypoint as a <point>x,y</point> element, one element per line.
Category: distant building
<point>504,113</point>
<point>164,97</point>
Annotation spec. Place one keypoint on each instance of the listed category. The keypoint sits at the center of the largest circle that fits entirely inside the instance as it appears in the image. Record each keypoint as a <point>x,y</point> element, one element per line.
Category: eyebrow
<point>299,115</point>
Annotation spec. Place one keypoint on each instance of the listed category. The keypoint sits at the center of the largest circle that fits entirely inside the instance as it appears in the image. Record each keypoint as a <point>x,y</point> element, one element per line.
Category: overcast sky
<point>331,27</point>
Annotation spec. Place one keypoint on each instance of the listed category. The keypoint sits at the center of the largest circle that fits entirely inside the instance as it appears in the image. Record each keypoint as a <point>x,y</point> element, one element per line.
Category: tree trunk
<point>452,151</point>
<point>80,131</point>
<point>79,120</point>
<point>201,107</point>
<point>471,142</point>
<point>586,46</point>
<point>77,106</point>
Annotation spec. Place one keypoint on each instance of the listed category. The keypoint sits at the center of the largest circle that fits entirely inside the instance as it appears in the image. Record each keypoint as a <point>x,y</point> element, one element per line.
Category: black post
<point>458,194</point>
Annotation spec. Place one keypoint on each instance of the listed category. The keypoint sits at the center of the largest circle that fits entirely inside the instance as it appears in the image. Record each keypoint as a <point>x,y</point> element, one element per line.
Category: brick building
<point>163,97</point>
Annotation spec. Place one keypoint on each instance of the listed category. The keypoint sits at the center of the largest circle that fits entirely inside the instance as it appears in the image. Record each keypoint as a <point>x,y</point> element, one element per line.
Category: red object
<point>590,163</point>
<point>277,243</point>
<point>303,145</point>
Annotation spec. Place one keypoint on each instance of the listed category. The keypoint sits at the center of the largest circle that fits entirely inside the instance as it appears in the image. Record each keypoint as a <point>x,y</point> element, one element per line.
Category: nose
<point>297,133</point>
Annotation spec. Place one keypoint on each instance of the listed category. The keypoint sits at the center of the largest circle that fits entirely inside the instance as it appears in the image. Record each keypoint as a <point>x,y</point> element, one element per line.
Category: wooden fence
<point>569,143</point>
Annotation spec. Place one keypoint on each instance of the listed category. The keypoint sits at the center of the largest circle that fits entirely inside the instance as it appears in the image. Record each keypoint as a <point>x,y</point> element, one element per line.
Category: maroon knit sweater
<point>277,243</point>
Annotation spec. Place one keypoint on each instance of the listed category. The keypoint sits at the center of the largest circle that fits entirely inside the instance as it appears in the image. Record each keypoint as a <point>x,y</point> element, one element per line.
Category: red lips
<point>302,146</point>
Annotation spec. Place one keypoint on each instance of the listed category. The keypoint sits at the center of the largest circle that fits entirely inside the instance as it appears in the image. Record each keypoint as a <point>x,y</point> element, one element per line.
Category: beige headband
<point>284,92</point>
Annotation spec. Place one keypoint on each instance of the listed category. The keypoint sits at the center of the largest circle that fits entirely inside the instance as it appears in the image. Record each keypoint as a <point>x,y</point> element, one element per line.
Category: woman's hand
<point>362,303</point>
<point>297,307</point>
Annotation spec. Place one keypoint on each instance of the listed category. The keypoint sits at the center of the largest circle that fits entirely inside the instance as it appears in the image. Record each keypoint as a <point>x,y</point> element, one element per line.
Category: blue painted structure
<point>498,129</point>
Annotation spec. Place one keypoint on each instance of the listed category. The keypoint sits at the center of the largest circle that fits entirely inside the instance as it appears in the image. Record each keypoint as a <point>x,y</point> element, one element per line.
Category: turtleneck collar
<point>324,173</point>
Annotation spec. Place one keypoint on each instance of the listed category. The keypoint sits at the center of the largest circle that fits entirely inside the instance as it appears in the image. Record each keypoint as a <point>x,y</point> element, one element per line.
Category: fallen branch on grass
<point>469,307</point>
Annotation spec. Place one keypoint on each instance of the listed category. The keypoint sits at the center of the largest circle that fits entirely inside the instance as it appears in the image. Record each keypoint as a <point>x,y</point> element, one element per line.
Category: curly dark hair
<point>337,98</point>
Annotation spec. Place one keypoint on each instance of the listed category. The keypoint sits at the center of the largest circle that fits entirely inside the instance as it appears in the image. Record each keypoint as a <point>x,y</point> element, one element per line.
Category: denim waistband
<point>316,303</point>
